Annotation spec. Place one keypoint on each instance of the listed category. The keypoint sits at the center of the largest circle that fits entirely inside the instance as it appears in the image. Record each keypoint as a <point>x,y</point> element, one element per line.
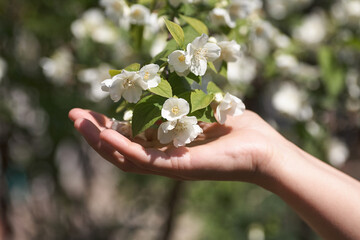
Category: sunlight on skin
<point>213,160</point>
<point>247,149</point>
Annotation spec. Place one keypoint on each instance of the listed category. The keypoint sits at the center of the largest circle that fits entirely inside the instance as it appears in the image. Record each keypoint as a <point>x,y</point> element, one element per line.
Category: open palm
<point>234,151</point>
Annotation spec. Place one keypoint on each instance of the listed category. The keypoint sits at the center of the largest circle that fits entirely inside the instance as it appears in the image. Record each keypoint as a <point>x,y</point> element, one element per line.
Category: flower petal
<point>177,60</point>
<point>164,137</point>
<point>106,85</point>
<point>133,94</point>
<point>198,66</point>
<point>199,42</point>
<point>213,51</point>
<point>175,108</point>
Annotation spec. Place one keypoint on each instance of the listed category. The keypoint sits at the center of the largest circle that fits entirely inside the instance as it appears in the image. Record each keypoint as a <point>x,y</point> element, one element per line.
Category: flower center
<point>136,13</point>
<point>147,75</point>
<point>128,83</point>
<point>200,53</point>
<point>219,17</point>
<point>175,110</point>
<point>117,6</point>
<point>181,58</point>
<point>259,31</point>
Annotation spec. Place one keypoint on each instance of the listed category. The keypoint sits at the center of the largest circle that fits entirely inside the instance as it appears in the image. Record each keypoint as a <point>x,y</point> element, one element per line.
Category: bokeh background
<point>300,70</point>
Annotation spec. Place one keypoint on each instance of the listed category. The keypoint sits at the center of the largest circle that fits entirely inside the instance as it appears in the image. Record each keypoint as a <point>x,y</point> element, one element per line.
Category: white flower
<point>139,14</point>
<point>175,108</point>
<point>181,131</point>
<point>115,8</point>
<point>230,50</point>
<point>244,8</point>
<point>181,74</point>
<point>337,152</point>
<point>286,61</point>
<point>128,114</point>
<point>291,100</point>
<point>158,44</point>
<point>90,20</point>
<point>242,71</point>
<point>93,24</point>
<point>199,52</point>
<point>58,68</point>
<point>177,61</point>
<point>220,16</point>
<point>279,9</point>
<point>261,35</point>
<point>313,29</point>
<point>104,34</point>
<point>281,40</point>
<point>229,105</point>
<point>353,8</point>
<point>92,77</point>
<point>128,85</point>
<point>149,75</point>
<point>153,25</point>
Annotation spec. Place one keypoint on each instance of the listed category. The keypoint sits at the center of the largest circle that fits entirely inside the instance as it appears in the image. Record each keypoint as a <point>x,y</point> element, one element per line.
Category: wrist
<point>273,169</point>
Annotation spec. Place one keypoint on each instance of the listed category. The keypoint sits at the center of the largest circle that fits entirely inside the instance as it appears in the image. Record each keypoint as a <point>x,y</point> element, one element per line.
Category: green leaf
<point>190,34</point>
<point>133,67</point>
<point>199,100</point>
<point>176,31</point>
<point>136,35</point>
<point>204,115</point>
<point>198,25</point>
<point>114,72</point>
<point>146,112</point>
<point>212,67</point>
<point>333,75</point>
<point>163,89</point>
<point>212,88</point>
<point>178,84</point>
<point>223,70</point>
<point>192,77</point>
<point>336,82</point>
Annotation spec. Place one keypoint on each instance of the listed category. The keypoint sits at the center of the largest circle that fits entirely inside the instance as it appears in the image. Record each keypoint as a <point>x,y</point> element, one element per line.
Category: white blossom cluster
<point>93,25</point>
<point>201,51</point>
<point>130,84</point>
<point>195,58</point>
<point>58,67</point>
<point>237,9</point>
<point>179,128</point>
<point>136,14</point>
<point>182,129</point>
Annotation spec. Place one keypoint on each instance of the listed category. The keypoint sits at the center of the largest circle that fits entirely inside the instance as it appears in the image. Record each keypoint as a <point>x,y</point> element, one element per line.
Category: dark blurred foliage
<point>53,186</point>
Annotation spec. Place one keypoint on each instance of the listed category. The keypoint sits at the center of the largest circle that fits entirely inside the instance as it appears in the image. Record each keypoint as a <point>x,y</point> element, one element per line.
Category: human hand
<point>242,149</point>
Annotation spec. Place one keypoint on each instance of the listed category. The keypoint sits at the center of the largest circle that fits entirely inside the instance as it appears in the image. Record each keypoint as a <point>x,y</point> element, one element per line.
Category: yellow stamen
<point>181,58</point>
<point>147,75</point>
<point>136,13</point>
<point>128,83</point>
<point>175,110</point>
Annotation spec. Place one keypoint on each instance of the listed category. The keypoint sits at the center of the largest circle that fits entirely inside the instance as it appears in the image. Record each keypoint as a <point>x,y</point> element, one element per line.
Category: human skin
<point>246,149</point>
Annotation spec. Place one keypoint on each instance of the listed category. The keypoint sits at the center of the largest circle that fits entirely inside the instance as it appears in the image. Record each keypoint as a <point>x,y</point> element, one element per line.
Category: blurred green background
<point>53,186</point>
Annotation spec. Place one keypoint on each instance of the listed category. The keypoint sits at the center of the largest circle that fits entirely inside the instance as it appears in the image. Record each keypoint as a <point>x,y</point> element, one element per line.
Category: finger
<point>99,120</point>
<point>92,135</point>
<point>149,158</point>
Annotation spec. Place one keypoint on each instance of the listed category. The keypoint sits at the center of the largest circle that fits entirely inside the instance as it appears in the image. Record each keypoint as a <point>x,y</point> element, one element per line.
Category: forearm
<point>327,199</point>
